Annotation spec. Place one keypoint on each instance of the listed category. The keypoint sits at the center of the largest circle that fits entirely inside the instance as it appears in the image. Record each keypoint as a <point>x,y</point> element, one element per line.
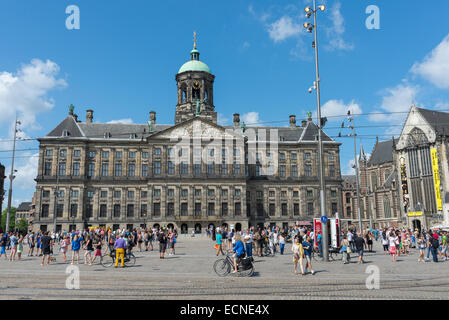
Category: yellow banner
<point>436,178</point>
<point>415,214</point>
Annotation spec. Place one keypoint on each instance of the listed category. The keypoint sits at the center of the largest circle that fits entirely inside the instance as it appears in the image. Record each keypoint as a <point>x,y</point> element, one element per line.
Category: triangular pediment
<point>415,120</point>
<point>197,128</point>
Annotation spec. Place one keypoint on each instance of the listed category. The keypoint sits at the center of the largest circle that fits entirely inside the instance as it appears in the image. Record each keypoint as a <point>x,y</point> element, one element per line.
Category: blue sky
<point>123,60</point>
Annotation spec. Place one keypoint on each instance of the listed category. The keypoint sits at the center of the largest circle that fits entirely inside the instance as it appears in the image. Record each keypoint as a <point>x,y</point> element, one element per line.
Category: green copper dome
<point>194,64</point>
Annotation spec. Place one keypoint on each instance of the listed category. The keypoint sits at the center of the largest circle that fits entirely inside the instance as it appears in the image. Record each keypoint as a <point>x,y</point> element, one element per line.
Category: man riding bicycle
<point>239,250</point>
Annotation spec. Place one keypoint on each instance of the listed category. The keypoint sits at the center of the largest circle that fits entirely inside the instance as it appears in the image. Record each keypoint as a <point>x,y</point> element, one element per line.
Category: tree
<point>23,225</point>
<point>12,219</point>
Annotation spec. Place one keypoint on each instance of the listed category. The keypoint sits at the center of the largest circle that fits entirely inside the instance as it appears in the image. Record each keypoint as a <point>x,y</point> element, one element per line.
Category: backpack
<point>435,243</point>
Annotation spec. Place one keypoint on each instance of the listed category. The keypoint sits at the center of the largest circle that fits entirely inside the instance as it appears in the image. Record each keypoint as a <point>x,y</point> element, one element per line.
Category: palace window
<point>47,169</point>
<point>131,170</point>
<point>116,210</point>
<point>76,169</point>
<point>118,170</point>
<point>157,167</point>
<point>104,169</point>
<point>90,169</point>
<point>61,170</point>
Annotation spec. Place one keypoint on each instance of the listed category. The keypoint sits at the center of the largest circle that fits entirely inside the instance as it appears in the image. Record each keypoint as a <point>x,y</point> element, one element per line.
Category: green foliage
<point>22,225</point>
<point>12,219</point>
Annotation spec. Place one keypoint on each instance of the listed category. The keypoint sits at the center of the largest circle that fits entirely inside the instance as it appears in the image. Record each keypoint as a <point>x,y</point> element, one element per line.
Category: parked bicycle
<point>223,267</point>
<point>108,259</point>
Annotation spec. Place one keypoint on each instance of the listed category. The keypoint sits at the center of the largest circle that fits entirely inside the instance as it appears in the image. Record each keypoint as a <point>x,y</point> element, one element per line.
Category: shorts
<point>46,251</point>
<point>98,253</point>
<point>2,250</point>
<point>162,247</point>
<point>360,252</point>
<point>238,258</point>
<point>308,258</point>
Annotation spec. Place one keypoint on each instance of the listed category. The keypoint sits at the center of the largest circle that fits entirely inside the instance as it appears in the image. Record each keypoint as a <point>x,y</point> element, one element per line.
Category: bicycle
<point>334,254</point>
<point>108,259</point>
<point>223,267</point>
<point>268,251</point>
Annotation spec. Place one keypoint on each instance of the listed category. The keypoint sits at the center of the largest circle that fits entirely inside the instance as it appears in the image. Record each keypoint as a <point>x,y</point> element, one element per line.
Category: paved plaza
<point>189,275</point>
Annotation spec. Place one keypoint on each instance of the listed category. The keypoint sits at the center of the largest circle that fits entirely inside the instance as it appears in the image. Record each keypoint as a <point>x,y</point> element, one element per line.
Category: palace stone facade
<point>189,175</point>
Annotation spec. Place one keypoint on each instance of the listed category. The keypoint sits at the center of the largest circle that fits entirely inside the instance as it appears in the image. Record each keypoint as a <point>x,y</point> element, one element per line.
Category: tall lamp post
<point>11,176</point>
<point>310,28</point>
<point>356,167</point>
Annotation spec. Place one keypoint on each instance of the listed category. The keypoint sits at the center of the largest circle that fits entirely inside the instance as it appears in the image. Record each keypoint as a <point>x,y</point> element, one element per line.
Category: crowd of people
<point>253,242</point>
<point>95,242</point>
<point>395,242</point>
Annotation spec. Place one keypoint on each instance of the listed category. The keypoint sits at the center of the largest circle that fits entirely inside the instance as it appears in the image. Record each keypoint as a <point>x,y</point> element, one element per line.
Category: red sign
<point>316,228</point>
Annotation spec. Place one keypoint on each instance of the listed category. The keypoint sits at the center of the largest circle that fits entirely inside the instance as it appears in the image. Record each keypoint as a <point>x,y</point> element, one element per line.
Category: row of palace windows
<point>130,210</point>
<point>170,209</point>
<point>184,193</point>
<point>183,168</point>
<point>183,152</point>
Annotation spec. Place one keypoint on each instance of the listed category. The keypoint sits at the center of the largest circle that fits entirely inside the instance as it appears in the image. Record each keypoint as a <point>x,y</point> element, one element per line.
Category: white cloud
<point>26,173</point>
<point>397,99</point>
<point>283,28</point>
<point>442,106</point>
<point>122,121</point>
<point>348,168</point>
<point>435,67</point>
<point>222,120</point>
<point>335,108</point>
<point>336,31</point>
<point>251,118</point>
<point>262,17</point>
<point>26,91</point>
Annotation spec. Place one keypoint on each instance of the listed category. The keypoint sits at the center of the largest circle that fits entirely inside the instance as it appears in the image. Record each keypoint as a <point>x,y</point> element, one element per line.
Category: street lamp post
<point>310,28</point>
<point>356,167</point>
<point>11,176</point>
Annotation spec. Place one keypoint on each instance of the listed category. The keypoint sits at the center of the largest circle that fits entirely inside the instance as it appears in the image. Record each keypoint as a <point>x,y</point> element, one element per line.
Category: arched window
<point>417,137</point>
<point>183,93</point>
<point>373,181</point>
<point>387,209</point>
<point>387,174</point>
<point>348,197</point>
<point>196,94</point>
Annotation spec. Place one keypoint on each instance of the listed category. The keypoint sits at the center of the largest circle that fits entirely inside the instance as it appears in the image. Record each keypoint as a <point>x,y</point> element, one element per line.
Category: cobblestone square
<point>189,275</point>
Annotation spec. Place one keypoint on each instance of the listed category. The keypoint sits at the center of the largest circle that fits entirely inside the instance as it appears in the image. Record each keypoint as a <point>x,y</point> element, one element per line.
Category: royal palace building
<point>188,175</point>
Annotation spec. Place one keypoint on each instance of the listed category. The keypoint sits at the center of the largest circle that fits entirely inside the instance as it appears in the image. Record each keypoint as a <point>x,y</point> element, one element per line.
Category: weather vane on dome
<point>194,39</point>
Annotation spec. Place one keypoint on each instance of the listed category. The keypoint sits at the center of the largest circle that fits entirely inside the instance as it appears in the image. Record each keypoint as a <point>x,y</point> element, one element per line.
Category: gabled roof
<point>103,131</point>
<point>382,152</point>
<point>119,130</point>
<point>24,206</point>
<point>68,124</point>
<point>438,120</point>
<point>311,133</point>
